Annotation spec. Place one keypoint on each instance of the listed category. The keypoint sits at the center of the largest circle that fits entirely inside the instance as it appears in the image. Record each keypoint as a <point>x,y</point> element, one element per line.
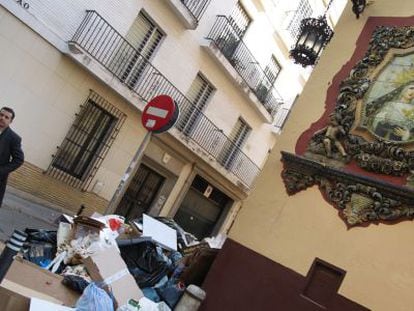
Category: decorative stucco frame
<point>366,180</point>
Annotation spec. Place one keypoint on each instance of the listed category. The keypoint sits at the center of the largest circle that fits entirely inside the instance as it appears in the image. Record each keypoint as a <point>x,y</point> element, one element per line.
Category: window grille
<point>304,10</point>
<point>199,94</point>
<point>240,20</point>
<point>87,142</point>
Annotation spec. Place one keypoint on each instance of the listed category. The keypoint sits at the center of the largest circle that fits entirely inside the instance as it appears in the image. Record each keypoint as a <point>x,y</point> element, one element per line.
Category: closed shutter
<point>272,70</point>
<point>240,20</point>
<point>200,91</point>
<point>239,133</point>
<point>199,94</point>
<point>231,150</point>
<point>144,36</point>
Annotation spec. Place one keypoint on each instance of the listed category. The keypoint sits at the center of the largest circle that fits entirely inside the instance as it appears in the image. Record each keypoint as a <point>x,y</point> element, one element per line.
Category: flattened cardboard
<point>107,264</point>
<point>37,304</point>
<point>30,280</point>
<point>159,232</point>
<point>11,301</point>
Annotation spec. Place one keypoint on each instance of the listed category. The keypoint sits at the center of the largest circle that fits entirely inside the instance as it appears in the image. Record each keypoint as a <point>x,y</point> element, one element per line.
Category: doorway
<point>141,193</point>
<point>202,208</point>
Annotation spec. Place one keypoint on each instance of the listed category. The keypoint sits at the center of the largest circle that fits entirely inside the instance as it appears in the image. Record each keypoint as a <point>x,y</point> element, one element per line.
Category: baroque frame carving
<point>360,199</point>
<point>372,154</point>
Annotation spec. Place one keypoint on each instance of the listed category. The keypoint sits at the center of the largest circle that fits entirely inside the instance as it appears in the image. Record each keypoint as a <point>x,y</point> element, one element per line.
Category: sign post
<point>159,115</point>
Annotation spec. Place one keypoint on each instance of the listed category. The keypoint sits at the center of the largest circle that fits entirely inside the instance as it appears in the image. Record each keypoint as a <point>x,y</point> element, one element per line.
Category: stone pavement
<point>21,210</point>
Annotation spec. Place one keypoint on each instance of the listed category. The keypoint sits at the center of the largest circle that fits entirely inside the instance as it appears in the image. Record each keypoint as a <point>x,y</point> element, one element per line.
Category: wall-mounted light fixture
<point>314,35</point>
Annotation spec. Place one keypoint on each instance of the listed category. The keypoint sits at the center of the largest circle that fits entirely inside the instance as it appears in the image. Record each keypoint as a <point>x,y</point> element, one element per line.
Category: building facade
<point>329,223</point>
<point>79,74</point>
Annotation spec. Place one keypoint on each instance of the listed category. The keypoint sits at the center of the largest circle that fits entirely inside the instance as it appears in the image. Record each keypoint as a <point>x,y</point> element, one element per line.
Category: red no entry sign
<point>160,114</point>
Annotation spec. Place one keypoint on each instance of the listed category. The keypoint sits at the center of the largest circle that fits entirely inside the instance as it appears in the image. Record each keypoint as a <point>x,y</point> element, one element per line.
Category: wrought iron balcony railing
<point>281,117</point>
<point>108,47</point>
<point>225,36</point>
<point>196,7</point>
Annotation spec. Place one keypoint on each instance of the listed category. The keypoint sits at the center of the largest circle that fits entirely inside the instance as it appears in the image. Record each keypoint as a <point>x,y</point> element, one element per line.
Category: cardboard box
<point>29,280</point>
<point>11,301</point>
<point>37,304</point>
<point>109,268</point>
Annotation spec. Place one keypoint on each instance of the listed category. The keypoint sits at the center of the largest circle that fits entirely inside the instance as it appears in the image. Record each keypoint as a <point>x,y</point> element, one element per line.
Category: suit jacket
<point>11,153</point>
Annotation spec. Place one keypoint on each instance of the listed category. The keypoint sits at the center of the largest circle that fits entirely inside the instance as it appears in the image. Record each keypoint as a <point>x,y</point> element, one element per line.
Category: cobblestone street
<point>22,211</point>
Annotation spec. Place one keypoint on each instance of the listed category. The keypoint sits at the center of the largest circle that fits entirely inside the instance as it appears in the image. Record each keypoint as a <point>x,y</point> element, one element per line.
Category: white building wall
<point>39,80</point>
<point>179,57</point>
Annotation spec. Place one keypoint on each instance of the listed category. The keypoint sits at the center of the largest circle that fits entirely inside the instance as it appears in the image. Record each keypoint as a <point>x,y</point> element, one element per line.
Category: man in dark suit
<point>11,154</point>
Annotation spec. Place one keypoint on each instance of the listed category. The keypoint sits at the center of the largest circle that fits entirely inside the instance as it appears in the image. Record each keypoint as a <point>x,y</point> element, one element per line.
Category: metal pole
<point>129,174</point>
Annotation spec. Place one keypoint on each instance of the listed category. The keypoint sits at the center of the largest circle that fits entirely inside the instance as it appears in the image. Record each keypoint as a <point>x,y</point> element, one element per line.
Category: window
<point>264,88</point>
<point>199,94</point>
<point>272,70</point>
<point>144,36</point>
<point>237,138</point>
<point>240,20</point>
<point>323,282</point>
<point>304,10</point>
<point>87,142</point>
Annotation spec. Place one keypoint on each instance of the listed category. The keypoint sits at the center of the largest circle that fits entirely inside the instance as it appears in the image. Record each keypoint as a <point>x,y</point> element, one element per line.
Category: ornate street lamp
<point>314,35</point>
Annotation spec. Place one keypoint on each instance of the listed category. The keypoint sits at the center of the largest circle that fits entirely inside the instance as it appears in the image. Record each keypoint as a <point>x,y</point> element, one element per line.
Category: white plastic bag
<point>94,299</point>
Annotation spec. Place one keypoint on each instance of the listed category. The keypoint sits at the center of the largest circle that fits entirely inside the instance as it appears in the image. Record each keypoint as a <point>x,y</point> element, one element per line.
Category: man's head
<point>6,117</point>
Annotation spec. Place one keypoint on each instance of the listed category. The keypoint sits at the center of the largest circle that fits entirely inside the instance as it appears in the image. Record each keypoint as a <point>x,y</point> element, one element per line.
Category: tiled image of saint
<point>391,117</point>
<point>388,106</point>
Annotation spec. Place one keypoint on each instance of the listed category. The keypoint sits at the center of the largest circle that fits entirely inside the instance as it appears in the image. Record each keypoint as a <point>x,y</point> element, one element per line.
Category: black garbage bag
<point>75,282</point>
<point>171,293</point>
<point>40,246</point>
<point>145,263</point>
<point>41,235</point>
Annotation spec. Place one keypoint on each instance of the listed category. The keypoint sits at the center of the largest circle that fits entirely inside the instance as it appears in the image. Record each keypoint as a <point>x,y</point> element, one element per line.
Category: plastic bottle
<point>132,305</point>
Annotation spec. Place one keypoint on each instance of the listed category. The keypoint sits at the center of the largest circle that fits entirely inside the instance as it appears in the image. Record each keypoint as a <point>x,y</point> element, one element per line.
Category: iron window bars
<point>87,142</point>
<point>304,10</point>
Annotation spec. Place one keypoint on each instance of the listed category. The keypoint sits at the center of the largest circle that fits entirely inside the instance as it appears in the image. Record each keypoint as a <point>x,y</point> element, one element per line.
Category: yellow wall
<point>294,230</point>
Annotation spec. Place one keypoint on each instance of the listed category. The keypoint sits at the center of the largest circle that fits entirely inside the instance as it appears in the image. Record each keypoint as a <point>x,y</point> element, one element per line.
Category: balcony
<point>280,120</point>
<point>224,37</point>
<point>189,11</point>
<point>97,38</point>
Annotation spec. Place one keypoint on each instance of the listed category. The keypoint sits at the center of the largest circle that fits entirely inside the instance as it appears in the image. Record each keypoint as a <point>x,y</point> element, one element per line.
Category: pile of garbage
<point>143,264</point>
